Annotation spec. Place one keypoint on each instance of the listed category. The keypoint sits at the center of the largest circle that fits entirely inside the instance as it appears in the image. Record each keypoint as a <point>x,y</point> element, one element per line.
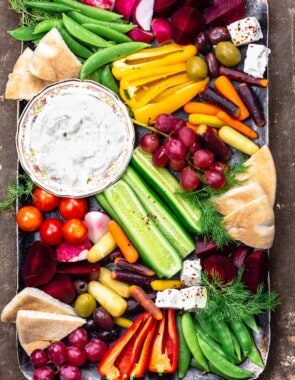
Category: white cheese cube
<point>245,31</point>
<point>256,60</point>
<point>194,297</point>
<point>169,298</point>
<point>191,272</point>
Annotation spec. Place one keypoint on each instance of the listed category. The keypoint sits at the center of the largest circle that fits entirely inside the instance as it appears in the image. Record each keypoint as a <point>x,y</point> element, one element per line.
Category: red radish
<point>125,8</point>
<point>164,8</point>
<point>143,12</point>
<point>161,28</point>
<point>60,287</point>
<point>220,268</point>
<point>97,224</point>
<point>223,12</point>
<point>67,252</point>
<point>140,35</point>
<point>105,4</point>
<point>186,24</point>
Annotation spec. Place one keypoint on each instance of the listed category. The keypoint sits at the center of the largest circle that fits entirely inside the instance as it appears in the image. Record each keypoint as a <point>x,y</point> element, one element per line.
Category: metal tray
<point>258,9</point>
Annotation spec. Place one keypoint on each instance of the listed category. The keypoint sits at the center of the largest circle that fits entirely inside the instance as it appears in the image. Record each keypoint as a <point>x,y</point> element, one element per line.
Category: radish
<point>125,8</point>
<point>140,35</point>
<point>143,12</point>
<point>162,30</point>
<point>67,252</point>
<point>97,224</point>
<point>105,4</point>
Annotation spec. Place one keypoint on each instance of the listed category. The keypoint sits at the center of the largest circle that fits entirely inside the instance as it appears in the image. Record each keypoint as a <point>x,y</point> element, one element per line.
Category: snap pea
<point>237,348</point>
<point>224,336</point>
<point>251,323</point>
<point>242,334</point>
<point>46,25</point>
<point>94,12</point>
<point>223,365</point>
<point>96,75</point>
<point>82,34</point>
<point>48,6</point>
<point>107,32</point>
<point>254,356</point>
<point>25,33</point>
<point>108,55</point>
<point>184,353</point>
<point>75,46</point>
<point>212,369</point>
<point>108,80</point>
<point>206,326</point>
<point>190,336</point>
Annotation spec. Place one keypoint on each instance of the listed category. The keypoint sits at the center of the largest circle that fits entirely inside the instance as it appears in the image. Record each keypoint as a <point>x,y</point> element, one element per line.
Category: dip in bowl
<point>75,138</point>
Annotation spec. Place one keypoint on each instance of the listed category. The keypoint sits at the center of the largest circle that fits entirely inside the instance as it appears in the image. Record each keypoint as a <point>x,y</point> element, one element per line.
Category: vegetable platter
<point>102,202</point>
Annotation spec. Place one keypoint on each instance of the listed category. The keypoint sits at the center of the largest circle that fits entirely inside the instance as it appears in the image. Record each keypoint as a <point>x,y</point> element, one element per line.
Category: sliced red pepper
<point>164,352</point>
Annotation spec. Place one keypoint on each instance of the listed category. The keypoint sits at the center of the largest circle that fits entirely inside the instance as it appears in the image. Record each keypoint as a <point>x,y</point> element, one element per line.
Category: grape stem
<point>153,129</point>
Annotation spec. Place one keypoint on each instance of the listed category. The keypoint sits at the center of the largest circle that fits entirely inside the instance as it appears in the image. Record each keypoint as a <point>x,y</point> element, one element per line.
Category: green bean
<point>108,80</point>
<point>46,25</point>
<point>242,334</point>
<point>254,356</point>
<point>224,336</point>
<point>82,34</point>
<point>75,46</point>
<point>87,10</point>
<point>190,336</point>
<point>251,323</point>
<point>184,353</point>
<point>48,6</point>
<point>109,55</point>
<point>223,365</point>
<point>107,32</point>
<point>82,19</point>
<point>25,33</point>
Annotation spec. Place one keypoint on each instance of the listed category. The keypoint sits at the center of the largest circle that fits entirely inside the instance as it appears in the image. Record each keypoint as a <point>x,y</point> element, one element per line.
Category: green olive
<point>84,305</point>
<point>227,53</point>
<point>196,68</point>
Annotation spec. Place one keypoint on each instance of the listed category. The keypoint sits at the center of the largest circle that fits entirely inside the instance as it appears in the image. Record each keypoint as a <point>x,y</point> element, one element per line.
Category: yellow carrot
<point>123,322</point>
<point>211,121</point>
<point>238,141</point>
<point>159,285</point>
<point>199,107</point>
<point>144,300</point>
<point>104,246</point>
<point>237,124</point>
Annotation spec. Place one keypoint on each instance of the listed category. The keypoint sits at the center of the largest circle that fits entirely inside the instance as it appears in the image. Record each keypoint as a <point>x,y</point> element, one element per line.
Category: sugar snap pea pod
<point>109,55</point>
<point>82,34</point>
<point>242,334</point>
<point>78,49</point>
<point>108,80</point>
<point>212,369</point>
<point>254,355</point>
<point>87,10</point>
<point>251,323</point>
<point>206,326</point>
<point>184,353</point>
<point>227,368</point>
<point>190,336</point>
<point>224,336</point>
<point>48,6</point>
<point>25,33</point>
<point>237,348</point>
<point>46,25</point>
<point>107,32</point>
<point>96,75</point>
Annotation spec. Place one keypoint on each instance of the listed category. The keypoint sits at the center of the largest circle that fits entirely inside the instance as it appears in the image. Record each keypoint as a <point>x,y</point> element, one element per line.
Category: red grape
<point>189,179</point>
<point>203,158</point>
<point>177,165</point>
<point>215,178</point>
<point>165,123</point>
<point>160,157</point>
<point>76,356</point>
<point>39,358</point>
<point>196,146</point>
<point>178,125</point>
<point>95,350</point>
<point>57,353</point>
<point>78,338</point>
<point>175,149</point>
<point>187,136</point>
<point>43,373</point>
<point>150,142</point>
<point>220,165</point>
<point>69,372</point>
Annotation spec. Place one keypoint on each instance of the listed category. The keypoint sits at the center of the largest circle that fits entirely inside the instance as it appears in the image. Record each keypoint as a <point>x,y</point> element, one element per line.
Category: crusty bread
<point>37,329</point>
<point>53,60</point>
<point>34,299</point>
<point>252,224</point>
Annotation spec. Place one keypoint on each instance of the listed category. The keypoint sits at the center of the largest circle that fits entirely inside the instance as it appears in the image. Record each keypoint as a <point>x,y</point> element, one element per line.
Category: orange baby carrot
<point>227,89</point>
<point>144,300</point>
<point>199,107</point>
<point>127,248</point>
<point>191,126</point>
<point>237,125</point>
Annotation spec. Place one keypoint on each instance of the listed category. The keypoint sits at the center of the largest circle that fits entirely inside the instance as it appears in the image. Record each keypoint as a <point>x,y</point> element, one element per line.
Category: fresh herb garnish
<point>23,189</point>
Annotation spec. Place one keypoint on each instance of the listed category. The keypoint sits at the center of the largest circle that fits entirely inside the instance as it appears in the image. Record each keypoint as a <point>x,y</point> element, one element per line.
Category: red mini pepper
<point>164,351</point>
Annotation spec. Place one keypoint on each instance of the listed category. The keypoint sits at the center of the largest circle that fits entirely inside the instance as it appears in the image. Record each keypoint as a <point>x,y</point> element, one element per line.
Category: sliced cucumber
<point>154,249</point>
<point>163,218</point>
<point>168,188</point>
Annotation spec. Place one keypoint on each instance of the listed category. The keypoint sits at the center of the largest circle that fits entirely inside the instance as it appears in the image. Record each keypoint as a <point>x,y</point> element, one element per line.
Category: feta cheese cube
<point>191,272</point>
<point>194,297</point>
<point>169,298</point>
<point>256,60</point>
<point>245,31</point>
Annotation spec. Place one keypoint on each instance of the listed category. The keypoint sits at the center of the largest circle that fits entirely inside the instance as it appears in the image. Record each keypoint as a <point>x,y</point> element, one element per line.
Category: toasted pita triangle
<point>37,329</point>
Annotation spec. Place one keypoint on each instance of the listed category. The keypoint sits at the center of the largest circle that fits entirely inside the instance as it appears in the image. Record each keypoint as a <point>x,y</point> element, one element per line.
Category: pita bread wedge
<point>252,224</point>
<point>237,197</point>
<point>53,60</point>
<point>261,169</point>
<point>34,299</point>
<point>37,329</point>
<point>21,83</point>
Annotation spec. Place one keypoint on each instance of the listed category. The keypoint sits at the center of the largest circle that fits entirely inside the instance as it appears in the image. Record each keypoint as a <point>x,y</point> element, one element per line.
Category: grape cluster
<point>65,359</point>
<point>183,152</point>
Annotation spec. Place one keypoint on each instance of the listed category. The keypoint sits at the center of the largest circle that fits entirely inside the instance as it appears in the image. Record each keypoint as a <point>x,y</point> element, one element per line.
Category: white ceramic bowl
<point>47,147</point>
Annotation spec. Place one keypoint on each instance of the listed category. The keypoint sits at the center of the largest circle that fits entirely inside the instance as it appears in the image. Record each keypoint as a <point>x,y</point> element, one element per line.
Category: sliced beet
<point>205,248</point>
<point>78,268</point>
<point>220,268</point>
<point>199,4</point>
<point>255,270</point>
<point>223,12</point>
<point>40,264</point>
<point>239,255</point>
<point>60,287</point>
<point>164,8</point>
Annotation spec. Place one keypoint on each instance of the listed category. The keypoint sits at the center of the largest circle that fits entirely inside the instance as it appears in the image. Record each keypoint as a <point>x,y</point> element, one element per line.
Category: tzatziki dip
<point>76,139</point>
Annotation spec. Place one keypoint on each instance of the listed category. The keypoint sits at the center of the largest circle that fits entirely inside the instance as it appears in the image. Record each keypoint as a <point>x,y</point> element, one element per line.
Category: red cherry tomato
<point>50,231</point>
<point>74,231</point>
<point>44,201</point>
<point>29,218</point>
<point>71,208</point>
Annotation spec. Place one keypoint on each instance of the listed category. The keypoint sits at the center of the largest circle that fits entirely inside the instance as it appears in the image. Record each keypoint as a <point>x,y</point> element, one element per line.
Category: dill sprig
<point>23,189</point>
<point>233,301</point>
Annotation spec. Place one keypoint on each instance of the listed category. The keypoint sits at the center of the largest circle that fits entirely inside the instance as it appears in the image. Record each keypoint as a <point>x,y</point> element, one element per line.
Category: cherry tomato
<point>50,231</point>
<point>29,218</point>
<point>44,201</point>
<point>74,231</point>
<point>71,208</point>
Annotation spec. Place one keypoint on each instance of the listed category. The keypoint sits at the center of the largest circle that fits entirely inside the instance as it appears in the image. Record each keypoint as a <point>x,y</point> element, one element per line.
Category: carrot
<point>225,87</point>
<point>127,248</point>
<point>144,300</point>
<point>199,107</point>
<point>238,141</point>
<point>237,124</point>
<point>199,118</point>
<point>191,126</point>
